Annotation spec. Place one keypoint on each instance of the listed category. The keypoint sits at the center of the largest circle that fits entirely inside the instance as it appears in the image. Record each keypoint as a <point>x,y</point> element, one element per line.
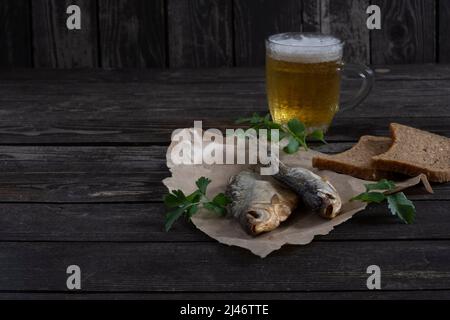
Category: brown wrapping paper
<point>300,228</point>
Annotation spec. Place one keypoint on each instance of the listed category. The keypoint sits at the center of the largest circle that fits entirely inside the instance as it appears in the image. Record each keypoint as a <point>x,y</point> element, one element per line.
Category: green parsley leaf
<point>292,146</point>
<point>178,204</point>
<point>174,199</point>
<point>173,215</point>
<point>202,184</point>
<point>296,127</point>
<point>317,135</point>
<point>370,197</point>
<point>192,210</point>
<point>221,200</point>
<point>402,207</point>
<point>380,185</point>
<point>215,208</point>
<point>399,205</point>
<point>295,131</point>
<point>194,197</point>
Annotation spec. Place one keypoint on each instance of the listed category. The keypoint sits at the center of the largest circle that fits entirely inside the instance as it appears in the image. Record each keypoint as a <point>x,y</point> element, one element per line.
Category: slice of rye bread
<point>415,151</point>
<point>357,161</point>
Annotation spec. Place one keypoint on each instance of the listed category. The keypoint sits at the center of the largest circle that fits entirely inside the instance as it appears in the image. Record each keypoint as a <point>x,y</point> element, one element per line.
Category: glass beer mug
<point>303,75</point>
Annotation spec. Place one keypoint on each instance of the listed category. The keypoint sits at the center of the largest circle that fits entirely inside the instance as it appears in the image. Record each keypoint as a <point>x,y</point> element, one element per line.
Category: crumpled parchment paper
<point>300,228</point>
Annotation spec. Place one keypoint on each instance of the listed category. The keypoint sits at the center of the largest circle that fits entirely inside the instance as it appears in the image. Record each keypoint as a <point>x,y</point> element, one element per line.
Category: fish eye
<point>254,214</point>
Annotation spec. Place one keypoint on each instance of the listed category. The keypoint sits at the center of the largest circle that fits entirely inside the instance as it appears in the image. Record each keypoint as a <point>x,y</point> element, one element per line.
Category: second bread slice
<point>357,161</point>
<point>415,151</point>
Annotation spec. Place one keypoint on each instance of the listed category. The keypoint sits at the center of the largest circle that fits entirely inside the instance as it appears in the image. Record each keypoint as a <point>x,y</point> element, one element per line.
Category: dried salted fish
<point>259,203</point>
<point>316,192</point>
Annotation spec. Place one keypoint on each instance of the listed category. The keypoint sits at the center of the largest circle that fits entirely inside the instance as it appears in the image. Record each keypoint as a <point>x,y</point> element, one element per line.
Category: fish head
<point>265,217</point>
<point>331,201</point>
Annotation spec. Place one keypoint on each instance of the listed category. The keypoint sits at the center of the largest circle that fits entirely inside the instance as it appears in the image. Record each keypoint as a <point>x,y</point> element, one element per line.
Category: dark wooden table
<point>82,157</point>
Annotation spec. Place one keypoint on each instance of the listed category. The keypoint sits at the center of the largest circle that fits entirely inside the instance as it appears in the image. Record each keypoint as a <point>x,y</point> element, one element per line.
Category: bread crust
<point>344,162</point>
<point>388,160</point>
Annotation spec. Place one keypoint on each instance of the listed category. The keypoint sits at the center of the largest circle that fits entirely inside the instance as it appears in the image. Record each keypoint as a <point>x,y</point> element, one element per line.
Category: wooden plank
<point>138,222</point>
<point>408,32</point>
<point>132,130</point>
<point>207,75</point>
<point>255,20</point>
<point>200,33</point>
<point>132,33</point>
<point>444,32</point>
<point>98,174</point>
<point>347,20</point>
<point>89,174</point>
<point>54,46</point>
<point>320,295</point>
<point>145,130</point>
<point>15,37</point>
<point>136,267</point>
<point>311,15</point>
<point>133,111</point>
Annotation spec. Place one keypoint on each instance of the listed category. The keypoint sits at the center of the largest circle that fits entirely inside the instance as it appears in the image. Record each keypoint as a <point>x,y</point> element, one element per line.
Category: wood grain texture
<point>54,46</point>
<point>137,222</point>
<point>82,108</point>
<point>347,20</point>
<point>444,31</point>
<point>15,36</point>
<point>91,174</point>
<point>253,296</point>
<point>132,33</point>
<point>101,174</point>
<point>137,267</point>
<point>420,72</point>
<point>204,33</point>
<point>408,32</point>
<point>311,15</point>
<point>255,20</point>
<point>200,33</point>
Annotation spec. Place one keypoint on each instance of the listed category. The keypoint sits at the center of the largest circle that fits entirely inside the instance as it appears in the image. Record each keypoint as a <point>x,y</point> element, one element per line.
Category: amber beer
<point>303,78</point>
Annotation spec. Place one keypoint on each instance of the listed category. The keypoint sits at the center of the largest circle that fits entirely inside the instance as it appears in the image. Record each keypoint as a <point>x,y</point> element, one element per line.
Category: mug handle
<point>367,83</point>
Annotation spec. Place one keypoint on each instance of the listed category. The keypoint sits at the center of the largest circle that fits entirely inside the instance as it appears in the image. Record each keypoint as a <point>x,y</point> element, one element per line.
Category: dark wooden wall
<point>210,33</point>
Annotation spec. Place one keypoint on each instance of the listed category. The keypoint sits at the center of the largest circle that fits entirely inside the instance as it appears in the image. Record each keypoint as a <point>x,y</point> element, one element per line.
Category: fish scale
<point>259,203</point>
<point>317,193</point>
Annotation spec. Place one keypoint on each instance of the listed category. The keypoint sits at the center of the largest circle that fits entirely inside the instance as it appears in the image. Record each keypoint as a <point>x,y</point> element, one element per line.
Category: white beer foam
<point>304,48</point>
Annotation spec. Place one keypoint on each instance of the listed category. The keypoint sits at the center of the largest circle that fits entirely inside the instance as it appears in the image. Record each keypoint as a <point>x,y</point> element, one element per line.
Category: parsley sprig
<point>178,204</point>
<point>398,203</point>
<point>295,131</point>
